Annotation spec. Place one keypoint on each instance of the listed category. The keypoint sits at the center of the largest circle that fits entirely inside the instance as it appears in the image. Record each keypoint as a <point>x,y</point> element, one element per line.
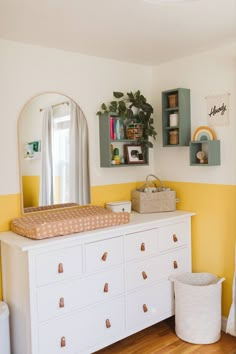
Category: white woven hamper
<point>198,307</point>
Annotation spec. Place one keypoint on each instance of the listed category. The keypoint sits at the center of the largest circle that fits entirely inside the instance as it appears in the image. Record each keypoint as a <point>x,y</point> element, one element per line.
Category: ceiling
<point>125,30</point>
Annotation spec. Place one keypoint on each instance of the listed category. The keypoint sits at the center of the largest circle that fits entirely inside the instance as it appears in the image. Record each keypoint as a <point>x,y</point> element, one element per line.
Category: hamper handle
<point>151,175</point>
<point>146,185</point>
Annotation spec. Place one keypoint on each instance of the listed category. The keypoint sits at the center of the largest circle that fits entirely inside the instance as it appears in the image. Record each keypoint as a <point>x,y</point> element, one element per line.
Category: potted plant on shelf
<point>133,107</point>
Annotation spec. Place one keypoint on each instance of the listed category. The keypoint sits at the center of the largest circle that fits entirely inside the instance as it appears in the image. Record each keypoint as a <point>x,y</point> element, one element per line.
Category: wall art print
<point>33,150</point>
<point>218,109</point>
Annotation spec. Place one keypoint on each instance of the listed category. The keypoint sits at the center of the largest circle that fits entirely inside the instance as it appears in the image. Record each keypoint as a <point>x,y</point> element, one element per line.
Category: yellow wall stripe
<point>31,186</point>
<point>110,193</point>
<point>10,207</point>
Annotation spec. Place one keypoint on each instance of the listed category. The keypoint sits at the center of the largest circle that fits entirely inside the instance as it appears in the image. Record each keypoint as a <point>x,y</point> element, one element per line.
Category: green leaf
<point>99,113</point>
<point>141,115</point>
<point>129,113</point>
<point>104,107</point>
<point>122,105</point>
<point>130,96</point>
<point>146,107</point>
<point>112,108</point>
<point>142,99</point>
<point>117,94</point>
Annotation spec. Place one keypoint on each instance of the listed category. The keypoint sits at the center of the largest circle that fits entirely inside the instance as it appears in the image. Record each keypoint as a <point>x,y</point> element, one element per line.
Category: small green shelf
<point>171,109</point>
<point>212,149</point>
<point>170,128</point>
<point>106,141</point>
<point>184,116</point>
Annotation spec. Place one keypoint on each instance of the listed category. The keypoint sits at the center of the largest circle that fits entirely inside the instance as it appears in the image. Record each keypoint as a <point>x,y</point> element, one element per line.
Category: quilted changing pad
<point>67,221</point>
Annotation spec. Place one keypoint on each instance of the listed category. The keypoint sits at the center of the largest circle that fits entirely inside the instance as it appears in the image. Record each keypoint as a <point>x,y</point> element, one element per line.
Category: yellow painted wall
<point>31,187</point>
<point>213,227</point>
<point>10,207</point>
<point>213,230</point>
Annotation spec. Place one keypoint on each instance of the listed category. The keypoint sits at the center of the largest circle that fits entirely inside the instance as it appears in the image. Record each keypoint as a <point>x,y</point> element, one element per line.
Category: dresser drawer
<point>64,297</point>
<point>103,254</point>
<point>140,244</point>
<point>107,322</point>
<point>174,262</point>
<point>141,273</point>
<point>59,299</point>
<point>172,236</point>
<point>58,265</point>
<point>82,330</point>
<point>68,335</point>
<point>149,305</point>
<point>102,286</point>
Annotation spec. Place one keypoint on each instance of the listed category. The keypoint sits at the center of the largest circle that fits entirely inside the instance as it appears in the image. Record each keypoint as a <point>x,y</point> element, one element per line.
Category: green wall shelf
<point>106,141</point>
<point>182,109</point>
<point>212,149</point>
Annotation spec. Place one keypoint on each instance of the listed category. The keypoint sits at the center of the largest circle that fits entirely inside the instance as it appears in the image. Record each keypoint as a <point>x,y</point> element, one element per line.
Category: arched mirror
<point>53,153</point>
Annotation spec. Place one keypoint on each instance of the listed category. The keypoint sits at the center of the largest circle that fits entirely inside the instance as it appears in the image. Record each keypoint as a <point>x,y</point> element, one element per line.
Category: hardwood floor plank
<point>161,339</point>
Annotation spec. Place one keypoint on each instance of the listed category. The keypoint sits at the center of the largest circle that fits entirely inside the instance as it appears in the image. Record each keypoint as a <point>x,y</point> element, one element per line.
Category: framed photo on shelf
<point>133,154</point>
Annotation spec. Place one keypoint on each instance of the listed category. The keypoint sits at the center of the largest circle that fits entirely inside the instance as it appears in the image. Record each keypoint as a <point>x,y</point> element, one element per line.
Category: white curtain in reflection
<point>79,179</point>
<point>231,322</point>
<point>61,153</point>
<point>46,181</point>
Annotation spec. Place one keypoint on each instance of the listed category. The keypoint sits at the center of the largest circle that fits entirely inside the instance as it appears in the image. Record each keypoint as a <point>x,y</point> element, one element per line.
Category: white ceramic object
<point>174,120</point>
<point>124,205</point>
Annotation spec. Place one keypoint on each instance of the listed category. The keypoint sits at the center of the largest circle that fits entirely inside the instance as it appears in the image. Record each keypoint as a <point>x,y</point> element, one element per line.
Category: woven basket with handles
<point>135,132</point>
<point>147,199</point>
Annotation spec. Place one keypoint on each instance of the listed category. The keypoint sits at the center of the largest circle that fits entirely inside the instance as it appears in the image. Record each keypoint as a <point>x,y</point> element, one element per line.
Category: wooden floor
<point>161,339</point>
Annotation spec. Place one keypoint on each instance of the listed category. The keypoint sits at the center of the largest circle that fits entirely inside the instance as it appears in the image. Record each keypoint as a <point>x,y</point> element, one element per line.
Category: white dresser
<point>79,293</point>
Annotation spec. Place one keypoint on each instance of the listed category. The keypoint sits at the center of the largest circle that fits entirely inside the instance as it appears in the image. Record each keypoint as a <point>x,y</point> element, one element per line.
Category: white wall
<point>205,74</point>
<point>28,70</point>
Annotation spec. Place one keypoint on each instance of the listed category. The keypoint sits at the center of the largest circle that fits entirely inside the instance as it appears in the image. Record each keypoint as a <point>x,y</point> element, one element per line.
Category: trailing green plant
<point>122,107</point>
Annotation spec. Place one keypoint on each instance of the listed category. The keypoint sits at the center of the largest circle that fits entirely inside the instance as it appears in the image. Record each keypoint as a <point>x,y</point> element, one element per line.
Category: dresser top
<point>138,222</point>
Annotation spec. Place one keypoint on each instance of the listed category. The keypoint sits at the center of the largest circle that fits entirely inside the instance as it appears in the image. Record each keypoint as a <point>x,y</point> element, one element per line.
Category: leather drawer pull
<point>63,341</point>
<point>106,288</point>
<point>104,256</point>
<point>175,238</point>
<point>60,268</point>
<point>61,302</point>
<point>108,323</point>
<point>144,274</point>
<point>145,309</point>
<point>142,247</point>
<point>175,264</point>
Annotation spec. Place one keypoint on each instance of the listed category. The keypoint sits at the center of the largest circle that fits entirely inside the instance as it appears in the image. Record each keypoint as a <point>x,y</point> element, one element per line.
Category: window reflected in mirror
<point>53,153</point>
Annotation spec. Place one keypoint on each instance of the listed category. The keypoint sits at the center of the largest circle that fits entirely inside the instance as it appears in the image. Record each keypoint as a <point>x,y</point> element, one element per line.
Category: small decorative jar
<point>173,120</point>
<point>173,100</point>
<point>134,131</point>
<point>174,137</point>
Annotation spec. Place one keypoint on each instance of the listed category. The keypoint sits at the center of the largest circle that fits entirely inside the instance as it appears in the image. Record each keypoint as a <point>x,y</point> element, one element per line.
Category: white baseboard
<point>223,323</point>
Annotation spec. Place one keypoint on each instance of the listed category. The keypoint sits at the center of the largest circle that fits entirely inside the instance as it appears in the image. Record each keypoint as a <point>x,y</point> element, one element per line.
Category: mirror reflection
<point>53,153</point>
